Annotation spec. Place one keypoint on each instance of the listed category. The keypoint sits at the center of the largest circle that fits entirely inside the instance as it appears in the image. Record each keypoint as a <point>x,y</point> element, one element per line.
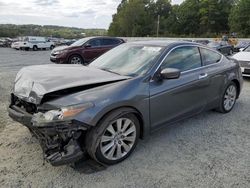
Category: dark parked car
<point>204,42</point>
<point>136,88</point>
<point>84,50</point>
<point>224,47</point>
<point>241,46</point>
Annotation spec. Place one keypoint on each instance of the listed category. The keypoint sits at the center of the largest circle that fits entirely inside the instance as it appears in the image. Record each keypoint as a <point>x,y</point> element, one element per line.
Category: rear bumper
<point>60,140</point>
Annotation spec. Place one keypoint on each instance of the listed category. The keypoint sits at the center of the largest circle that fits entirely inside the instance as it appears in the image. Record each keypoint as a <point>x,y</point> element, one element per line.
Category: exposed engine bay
<point>61,141</point>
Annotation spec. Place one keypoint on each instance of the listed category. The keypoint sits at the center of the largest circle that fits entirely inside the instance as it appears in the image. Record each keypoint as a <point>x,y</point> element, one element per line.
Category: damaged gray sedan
<point>103,109</point>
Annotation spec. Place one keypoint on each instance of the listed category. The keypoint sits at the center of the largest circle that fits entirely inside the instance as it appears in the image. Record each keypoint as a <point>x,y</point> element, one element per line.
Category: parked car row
<point>33,43</point>
<point>223,46</point>
<point>5,42</point>
<point>241,46</point>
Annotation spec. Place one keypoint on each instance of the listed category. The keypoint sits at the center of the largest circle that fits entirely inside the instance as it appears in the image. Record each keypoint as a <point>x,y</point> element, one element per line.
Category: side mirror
<point>170,73</point>
<point>87,45</point>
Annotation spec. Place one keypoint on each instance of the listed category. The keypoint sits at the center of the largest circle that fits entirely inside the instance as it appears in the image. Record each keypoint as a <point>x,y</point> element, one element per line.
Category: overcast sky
<point>75,13</point>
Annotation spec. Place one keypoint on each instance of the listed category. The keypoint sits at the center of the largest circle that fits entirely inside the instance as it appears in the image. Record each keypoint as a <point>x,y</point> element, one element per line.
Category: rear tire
<point>114,138</point>
<point>228,99</point>
<point>35,48</point>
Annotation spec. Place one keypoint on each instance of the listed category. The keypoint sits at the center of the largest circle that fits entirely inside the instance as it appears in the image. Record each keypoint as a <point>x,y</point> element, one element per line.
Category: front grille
<point>245,64</point>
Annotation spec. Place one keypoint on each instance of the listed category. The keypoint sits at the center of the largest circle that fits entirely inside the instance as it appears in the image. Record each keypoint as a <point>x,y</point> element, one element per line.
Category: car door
<point>212,63</point>
<point>92,49</point>
<point>174,99</point>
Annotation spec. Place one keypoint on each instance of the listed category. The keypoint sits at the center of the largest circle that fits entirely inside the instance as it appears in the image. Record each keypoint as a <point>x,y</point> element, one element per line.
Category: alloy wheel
<point>118,139</point>
<point>76,60</point>
<point>230,97</point>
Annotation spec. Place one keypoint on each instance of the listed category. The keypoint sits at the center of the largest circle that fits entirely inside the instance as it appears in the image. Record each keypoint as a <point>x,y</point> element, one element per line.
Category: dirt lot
<point>209,150</point>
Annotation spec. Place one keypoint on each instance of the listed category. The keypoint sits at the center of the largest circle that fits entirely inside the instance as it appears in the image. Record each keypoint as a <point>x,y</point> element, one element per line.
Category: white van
<point>36,43</point>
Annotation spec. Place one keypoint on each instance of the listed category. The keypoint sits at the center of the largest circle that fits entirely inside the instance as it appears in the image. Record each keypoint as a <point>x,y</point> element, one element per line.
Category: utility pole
<point>158,26</point>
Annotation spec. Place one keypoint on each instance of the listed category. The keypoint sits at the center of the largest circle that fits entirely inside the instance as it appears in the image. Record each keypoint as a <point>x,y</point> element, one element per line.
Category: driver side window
<point>183,58</point>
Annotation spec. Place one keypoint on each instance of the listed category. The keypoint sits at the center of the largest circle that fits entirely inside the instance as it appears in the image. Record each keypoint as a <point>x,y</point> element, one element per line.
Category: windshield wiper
<point>109,71</point>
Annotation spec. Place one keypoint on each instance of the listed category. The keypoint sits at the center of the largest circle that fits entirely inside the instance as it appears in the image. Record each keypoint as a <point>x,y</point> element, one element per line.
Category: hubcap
<point>118,139</point>
<point>230,97</point>
<point>75,60</point>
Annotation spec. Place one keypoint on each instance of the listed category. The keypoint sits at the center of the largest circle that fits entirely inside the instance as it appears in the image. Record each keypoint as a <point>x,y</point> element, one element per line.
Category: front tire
<point>52,47</point>
<point>76,59</point>
<point>114,138</point>
<point>35,48</point>
<point>228,99</point>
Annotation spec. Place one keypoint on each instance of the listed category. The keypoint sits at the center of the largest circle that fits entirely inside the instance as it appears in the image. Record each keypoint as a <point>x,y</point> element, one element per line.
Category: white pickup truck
<point>36,43</point>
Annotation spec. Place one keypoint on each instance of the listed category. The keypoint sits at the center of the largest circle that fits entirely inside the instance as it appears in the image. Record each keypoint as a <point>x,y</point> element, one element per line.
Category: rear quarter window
<point>209,57</point>
<point>108,42</point>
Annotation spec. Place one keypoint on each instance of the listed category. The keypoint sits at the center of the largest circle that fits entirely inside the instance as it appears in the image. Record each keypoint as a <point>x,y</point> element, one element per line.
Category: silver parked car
<point>103,109</point>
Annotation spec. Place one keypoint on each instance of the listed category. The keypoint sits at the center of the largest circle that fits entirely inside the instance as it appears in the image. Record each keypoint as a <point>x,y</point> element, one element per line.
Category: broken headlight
<point>66,112</point>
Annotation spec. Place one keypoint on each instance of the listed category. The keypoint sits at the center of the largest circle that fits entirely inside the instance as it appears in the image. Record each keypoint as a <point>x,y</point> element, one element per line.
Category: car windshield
<point>79,42</point>
<point>128,59</point>
<point>247,49</point>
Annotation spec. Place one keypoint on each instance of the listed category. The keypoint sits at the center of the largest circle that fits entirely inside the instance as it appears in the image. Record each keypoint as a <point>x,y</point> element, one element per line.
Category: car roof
<point>164,43</point>
<point>105,37</point>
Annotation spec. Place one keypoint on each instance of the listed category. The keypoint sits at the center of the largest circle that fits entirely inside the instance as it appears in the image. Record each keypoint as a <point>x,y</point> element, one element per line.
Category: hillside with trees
<point>10,30</point>
<point>192,18</point>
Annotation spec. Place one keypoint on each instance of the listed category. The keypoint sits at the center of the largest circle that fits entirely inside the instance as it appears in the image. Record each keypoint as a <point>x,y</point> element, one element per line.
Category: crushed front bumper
<point>61,141</point>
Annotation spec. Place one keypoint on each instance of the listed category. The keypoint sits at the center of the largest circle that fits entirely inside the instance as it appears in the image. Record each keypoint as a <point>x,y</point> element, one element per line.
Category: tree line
<point>11,30</point>
<point>192,18</point>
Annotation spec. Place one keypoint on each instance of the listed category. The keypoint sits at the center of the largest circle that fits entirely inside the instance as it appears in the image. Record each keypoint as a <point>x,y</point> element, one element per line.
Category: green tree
<point>214,15</point>
<point>131,19</point>
<point>239,18</point>
<point>189,18</point>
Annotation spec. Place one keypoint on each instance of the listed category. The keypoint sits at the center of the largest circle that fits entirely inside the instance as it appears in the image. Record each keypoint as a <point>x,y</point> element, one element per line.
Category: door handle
<point>202,76</point>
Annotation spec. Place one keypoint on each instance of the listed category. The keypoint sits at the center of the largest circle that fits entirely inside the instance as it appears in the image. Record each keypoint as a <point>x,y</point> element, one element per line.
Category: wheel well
<point>238,86</point>
<point>126,110</point>
<point>76,55</point>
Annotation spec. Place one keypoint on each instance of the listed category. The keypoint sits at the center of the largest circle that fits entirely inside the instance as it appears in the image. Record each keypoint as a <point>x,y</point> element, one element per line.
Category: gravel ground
<point>209,150</point>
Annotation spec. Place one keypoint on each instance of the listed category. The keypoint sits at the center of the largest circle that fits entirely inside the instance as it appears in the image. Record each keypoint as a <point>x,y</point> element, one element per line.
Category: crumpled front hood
<point>33,82</point>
